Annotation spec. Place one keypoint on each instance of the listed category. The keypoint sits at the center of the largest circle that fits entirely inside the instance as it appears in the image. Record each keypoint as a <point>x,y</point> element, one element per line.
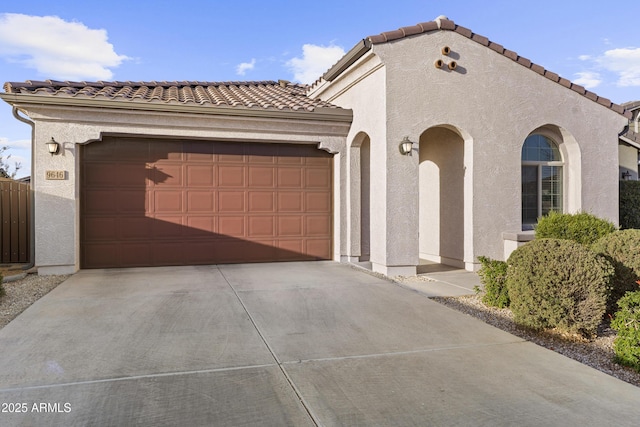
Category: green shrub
<point>629,204</point>
<point>627,323</point>
<point>559,284</point>
<point>582,227</point>
<point>622,250</point>
<point>493,275</point>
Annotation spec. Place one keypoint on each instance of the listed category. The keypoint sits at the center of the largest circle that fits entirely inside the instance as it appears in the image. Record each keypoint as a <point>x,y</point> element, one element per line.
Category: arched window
<point>541,179</point>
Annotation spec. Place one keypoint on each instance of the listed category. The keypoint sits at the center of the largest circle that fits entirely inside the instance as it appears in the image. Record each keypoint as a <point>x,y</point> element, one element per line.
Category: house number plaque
<point>55,175</point>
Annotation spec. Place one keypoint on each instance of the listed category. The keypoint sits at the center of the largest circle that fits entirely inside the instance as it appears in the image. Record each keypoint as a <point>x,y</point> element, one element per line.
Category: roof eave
<point>347,60</point>
<point>319,113</point>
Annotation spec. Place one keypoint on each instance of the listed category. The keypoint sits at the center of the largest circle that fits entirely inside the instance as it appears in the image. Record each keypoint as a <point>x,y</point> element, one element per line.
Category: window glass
<point>541,179</point>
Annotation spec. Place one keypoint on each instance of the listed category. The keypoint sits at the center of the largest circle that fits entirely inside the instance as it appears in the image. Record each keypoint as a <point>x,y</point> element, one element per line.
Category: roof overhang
<point>321,114</point>
<point>347,60</point>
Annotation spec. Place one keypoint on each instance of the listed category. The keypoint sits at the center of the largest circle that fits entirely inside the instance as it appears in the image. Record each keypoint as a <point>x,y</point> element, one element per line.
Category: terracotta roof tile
<point>443,23</point>
<point>552,76</point>
<point>480,39</point>
<point>464,31</point>
<point>577,88</point>
<point>263,94</point>
<point>428,26</point>
<point>524,61</point>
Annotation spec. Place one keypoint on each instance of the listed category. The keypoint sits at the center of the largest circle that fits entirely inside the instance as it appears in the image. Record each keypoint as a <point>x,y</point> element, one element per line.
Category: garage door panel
<point>201,226</point>
<point>167,175</point>
<point>130,175</point>
<point>200,201</point>
<point>231,176</point>
<point>135,254</point>
<point>261,201</point>
<point>164,226</point>
<point>290,177</point>
<point>100,202</point>
<point>200,176</point>
<point>317,225</point>
<point>317,178</point>
<point>131,201</point>
<point>167,201</point>
<point>318,248</point>
<point>290,201</point>
<point>99,228</point>
<point>232,226</point>
<point>133,228</point>
<point>99,175</point>
<point>231,201</point>
<point>262,177</point>
<point>101,255</point>
<point>152,202</point>
<point>290,225</point>
<point>261,226</point>
<point>317,202</point>
<point>291,250</point>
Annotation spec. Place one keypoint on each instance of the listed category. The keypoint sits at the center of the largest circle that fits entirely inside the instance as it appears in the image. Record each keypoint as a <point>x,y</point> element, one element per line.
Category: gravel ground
<point>20,294</point>
<point>597,353</point>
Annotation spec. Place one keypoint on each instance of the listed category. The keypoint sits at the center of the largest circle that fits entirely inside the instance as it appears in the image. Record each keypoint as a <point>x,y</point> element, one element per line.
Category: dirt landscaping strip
<point>597,353</point>
<point>21,293</point>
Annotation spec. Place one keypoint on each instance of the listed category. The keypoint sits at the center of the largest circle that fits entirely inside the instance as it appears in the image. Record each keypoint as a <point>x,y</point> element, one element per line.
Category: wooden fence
<point>15,210</point>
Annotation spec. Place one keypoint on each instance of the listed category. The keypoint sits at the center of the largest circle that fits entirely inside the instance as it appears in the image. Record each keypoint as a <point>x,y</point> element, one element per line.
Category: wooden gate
<point>15,210</point>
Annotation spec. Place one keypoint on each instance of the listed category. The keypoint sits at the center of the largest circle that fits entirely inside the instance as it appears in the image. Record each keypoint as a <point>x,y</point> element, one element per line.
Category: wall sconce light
<point>626,175</point>
<point>53,147</point>
<point>406,146</point>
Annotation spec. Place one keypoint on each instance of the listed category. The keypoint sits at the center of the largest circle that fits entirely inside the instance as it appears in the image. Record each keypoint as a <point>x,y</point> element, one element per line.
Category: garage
<point>163,202</point>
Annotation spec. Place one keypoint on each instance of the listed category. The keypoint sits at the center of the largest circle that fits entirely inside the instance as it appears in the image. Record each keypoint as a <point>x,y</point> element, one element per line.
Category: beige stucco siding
<point>494,103</point>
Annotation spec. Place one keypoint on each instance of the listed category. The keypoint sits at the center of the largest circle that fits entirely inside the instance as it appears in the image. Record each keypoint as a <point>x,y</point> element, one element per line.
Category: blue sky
<point>591,42</point>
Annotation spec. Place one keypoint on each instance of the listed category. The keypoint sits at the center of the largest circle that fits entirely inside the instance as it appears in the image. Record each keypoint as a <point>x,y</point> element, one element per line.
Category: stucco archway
<point>442,208</point>
<point>360,197</point>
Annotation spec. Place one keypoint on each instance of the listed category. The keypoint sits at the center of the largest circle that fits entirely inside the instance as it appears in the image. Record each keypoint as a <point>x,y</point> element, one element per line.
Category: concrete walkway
<point>282,344</point>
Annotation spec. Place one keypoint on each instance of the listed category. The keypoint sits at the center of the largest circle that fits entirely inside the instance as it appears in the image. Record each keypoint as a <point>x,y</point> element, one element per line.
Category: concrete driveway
<point>297,344</point>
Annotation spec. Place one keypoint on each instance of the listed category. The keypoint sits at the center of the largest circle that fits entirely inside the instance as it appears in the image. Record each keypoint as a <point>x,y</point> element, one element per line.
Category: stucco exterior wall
<point>491,104</point>
<point>362,89</point>
<point>494,103</point>
<point>57,204</point>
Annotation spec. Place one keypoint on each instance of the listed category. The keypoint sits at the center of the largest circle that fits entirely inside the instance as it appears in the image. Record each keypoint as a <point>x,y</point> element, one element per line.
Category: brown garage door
<point>159,202</point>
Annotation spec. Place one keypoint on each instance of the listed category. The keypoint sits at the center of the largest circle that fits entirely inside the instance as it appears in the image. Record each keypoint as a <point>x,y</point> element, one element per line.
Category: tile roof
<point>442,23</point>
<point>266,95</point>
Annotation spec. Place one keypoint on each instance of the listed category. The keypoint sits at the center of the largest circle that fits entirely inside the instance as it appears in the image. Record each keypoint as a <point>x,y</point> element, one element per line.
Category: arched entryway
<point>442,196</point>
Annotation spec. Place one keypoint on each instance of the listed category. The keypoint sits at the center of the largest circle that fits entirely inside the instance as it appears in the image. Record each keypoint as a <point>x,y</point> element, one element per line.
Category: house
<point>428,142</point>
<point>629,143</point>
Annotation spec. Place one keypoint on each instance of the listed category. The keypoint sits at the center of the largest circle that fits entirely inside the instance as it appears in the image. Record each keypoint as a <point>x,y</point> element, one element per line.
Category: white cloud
<point>314,62</point>
<point>243,67</point>
<point>57,48</point>
<point>24,144</point>
<point>588,79</point>
<point>584,57</point>
<point>625,62</point>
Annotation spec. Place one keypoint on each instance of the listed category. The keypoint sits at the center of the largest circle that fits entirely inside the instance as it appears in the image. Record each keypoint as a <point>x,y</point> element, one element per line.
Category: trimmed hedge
<point>493,275</point>
<point>583,227</point>
<point>622,250</point>
<point>627,323</point>
<point>629,204</point>
<point>559,284</point>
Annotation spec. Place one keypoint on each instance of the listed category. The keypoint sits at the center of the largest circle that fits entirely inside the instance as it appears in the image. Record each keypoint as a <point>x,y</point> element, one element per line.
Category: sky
<point>591,42</point>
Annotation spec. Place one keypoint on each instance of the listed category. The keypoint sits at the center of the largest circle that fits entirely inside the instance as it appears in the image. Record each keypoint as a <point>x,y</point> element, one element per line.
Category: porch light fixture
<point>53,147</point>
<point>406,146</point>
<point>626,175</point>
